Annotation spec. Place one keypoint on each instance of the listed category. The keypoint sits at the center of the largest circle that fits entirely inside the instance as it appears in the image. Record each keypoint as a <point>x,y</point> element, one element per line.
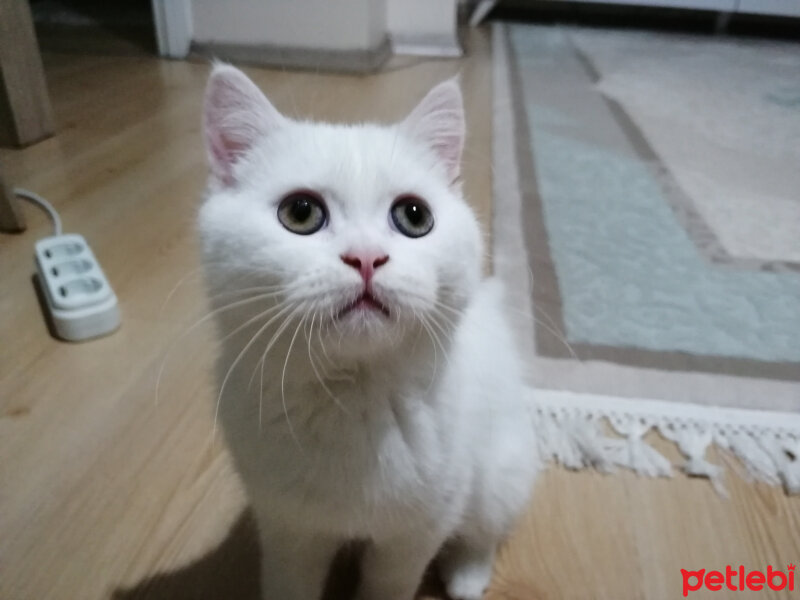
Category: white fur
<point>407,432</point>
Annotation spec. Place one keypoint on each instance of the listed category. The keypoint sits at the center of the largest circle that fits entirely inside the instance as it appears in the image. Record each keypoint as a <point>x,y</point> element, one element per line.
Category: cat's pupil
<point>414,214</point>
<point>301,210</point>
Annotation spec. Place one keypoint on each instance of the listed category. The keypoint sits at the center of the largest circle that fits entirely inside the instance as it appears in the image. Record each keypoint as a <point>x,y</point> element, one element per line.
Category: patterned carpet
<point>650,184</point>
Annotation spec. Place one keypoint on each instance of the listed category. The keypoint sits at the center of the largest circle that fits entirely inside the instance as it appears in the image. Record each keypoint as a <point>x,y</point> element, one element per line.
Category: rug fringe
<point>574,433</point>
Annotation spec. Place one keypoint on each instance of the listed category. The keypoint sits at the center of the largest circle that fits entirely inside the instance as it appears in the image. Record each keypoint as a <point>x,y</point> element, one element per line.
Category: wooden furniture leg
<point>25,113</point>
<point>11,217</point>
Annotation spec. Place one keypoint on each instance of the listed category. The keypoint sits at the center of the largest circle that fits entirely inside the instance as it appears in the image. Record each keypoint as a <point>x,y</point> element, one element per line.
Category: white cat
<point>370,385</point>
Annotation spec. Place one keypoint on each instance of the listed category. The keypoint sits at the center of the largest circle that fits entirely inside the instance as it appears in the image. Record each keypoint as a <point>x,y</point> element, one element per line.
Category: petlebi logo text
<point>738,579</point>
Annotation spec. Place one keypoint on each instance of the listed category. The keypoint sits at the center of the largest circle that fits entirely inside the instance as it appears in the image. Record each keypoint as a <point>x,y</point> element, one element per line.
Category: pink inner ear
<point>438,121</point>
<point>237,115</point>
<point>221,153</point>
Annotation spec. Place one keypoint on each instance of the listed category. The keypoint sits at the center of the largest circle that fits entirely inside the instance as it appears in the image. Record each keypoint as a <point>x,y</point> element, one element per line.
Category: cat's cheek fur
<point>408,432</point>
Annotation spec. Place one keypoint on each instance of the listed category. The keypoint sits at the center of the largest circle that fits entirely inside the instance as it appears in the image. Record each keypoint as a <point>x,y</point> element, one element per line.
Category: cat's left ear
<point>236,115</point>
<point>438,122</point>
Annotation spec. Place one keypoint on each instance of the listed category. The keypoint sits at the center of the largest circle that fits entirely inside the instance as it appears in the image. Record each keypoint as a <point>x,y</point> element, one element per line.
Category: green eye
<point>302,213</point>
<point>411,216</point>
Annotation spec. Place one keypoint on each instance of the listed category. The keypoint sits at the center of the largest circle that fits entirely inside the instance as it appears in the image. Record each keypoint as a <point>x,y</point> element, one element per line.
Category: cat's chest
<point>376,449</point>
<point>387,436</point>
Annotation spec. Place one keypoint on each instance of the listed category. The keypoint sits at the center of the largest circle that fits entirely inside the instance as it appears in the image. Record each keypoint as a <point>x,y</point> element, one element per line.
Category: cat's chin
<point>363,333</point>
<point>364,318</point>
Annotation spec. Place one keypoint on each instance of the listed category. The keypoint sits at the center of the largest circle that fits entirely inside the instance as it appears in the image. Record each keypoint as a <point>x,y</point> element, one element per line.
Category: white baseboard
<point>426,45</point>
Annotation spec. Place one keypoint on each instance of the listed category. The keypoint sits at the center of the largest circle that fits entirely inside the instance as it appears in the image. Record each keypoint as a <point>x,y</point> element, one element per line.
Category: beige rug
<point>647,191</point>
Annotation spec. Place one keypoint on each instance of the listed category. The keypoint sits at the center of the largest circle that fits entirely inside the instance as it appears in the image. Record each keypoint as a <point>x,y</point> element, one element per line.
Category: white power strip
<point>78,296</point>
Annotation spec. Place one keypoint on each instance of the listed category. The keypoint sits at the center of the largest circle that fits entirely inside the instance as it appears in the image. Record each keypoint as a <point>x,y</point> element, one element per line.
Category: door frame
<point>174,29</point>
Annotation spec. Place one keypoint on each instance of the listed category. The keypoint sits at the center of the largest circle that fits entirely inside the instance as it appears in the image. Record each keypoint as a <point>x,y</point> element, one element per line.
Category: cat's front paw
<point>468,584</point>
<point>467,579</point>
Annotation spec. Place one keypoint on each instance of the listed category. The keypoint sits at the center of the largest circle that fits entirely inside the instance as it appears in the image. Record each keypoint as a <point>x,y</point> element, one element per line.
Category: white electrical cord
<point>43,204</point>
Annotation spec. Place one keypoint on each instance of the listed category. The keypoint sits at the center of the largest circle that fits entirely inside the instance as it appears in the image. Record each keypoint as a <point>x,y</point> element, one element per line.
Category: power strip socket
<point>78,296</point>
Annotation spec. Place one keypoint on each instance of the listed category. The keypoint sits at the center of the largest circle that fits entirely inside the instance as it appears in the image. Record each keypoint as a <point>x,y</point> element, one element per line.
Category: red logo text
<point>737,580</point>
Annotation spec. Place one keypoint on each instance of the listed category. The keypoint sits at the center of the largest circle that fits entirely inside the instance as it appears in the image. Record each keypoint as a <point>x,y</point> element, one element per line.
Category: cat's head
<point>361,230</point>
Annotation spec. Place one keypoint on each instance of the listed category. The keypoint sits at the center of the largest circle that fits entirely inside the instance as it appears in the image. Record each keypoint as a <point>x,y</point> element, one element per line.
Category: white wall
<point>415,26</point>
<point>789,8</point>
<point>378,26</point>
<point>317,24</point>
<point>720,5</point>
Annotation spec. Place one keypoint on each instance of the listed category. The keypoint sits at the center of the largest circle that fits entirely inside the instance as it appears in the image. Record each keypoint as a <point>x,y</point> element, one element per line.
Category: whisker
<point>250,321</point>
<point>325,373</point>
<point>272,290</point>
<point>233,366</point>
<point>272,340</point>
<point>194,271</point>
<point>316,373</point>
<point>283,379</point>
<point>434,328</point>
<point>171,293</point>
<point>190,329</point>
<point>552,328</point>
<point>262,362</point>
<point>322,342</point>
<point>557,335</point>
<point>422,322</point>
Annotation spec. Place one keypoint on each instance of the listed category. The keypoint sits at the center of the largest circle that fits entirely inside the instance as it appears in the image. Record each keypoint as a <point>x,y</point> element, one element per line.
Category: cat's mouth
<point>365,302</point>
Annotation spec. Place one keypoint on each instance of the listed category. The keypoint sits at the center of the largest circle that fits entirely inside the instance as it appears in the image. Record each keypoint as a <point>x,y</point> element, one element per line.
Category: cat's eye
<point>302,213</point>
<point>411,216</point>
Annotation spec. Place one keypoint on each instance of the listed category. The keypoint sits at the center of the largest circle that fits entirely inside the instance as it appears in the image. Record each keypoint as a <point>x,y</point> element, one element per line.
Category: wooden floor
<point>106,493</point>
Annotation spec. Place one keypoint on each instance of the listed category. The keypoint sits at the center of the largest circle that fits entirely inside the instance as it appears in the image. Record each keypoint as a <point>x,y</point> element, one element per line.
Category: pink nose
<point>365,263</point>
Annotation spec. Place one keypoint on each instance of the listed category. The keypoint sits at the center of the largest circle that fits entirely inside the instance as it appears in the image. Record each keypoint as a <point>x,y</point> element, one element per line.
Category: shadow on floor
<point>231,571</point>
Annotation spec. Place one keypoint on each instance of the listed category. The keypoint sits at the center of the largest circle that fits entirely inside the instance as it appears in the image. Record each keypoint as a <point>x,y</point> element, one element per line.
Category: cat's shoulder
<point>486,317</point>
<point>491,294</point>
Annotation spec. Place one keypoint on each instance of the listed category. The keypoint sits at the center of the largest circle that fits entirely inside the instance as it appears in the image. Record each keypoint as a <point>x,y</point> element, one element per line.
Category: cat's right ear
<point>236,115</point>
<point>438,122</point>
